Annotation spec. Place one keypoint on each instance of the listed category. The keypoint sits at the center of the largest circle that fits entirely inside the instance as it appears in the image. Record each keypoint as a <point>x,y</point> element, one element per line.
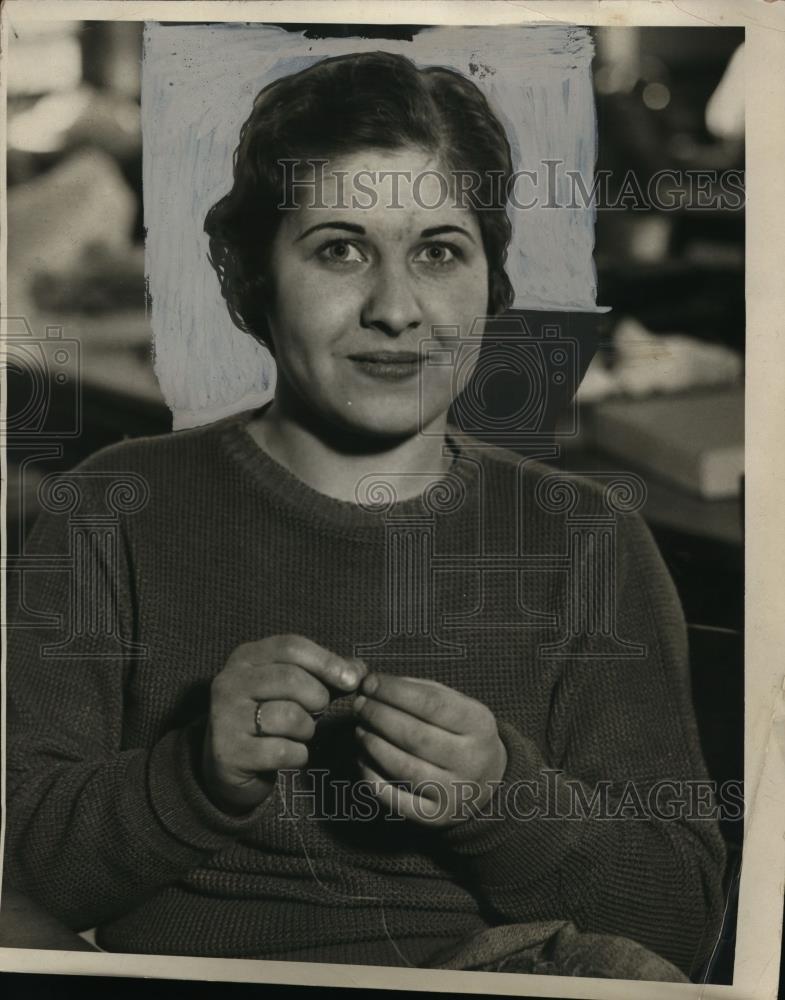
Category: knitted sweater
<point>139,593</point>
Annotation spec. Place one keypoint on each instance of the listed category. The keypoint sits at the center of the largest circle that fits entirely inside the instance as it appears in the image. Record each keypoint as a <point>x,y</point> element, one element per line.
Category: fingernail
<point>360,731</point>
<point>359,701</point>
<point>349,677</point>
<point>370,684</point>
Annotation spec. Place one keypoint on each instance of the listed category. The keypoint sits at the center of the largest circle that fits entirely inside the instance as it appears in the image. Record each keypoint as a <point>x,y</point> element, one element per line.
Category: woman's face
<point>364,277</point>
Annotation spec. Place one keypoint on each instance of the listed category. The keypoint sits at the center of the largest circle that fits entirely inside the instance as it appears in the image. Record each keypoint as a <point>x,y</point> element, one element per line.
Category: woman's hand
<point>419,731</point>
<point>280,682</point>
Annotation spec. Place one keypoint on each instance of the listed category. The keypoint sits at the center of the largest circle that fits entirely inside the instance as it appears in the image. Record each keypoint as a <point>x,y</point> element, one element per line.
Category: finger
<point>283,718</point>
<point>429,743</point>
<point>333,670</point>
<point>425,779</point>
<point>270,753</point>
<point>403,803</point>
<point>237,692</point>
<point>430,701</point>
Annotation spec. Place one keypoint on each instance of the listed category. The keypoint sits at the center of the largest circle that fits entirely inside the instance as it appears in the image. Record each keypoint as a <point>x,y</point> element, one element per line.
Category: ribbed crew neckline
<point>290,494</point>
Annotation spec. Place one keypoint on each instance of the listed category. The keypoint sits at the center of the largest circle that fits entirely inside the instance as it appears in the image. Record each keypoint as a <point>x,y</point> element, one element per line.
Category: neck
<point>332,460</point>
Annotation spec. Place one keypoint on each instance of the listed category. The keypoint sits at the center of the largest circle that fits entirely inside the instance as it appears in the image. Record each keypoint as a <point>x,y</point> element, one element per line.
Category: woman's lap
<point>557,948</point>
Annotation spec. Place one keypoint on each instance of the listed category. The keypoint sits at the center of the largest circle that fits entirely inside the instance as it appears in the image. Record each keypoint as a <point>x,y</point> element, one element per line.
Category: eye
<point>438,254</point>
<point>340,252</point>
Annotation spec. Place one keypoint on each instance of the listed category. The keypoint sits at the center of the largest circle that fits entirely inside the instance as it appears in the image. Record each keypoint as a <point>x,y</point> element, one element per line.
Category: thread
<point>344,897</point>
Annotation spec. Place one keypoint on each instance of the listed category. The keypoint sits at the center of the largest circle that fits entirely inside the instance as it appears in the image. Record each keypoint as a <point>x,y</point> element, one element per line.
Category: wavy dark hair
<point>338,106</point>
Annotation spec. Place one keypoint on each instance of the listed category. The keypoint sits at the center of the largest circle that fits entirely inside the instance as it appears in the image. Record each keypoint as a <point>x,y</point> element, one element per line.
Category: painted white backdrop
<point>198,86</point>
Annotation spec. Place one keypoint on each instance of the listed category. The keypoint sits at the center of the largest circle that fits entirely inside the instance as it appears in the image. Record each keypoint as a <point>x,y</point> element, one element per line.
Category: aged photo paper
<point>392,551</point>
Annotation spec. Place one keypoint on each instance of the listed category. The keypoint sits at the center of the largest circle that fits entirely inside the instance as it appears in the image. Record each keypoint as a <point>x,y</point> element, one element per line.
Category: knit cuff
<point>525,827</point>
<point>179,801</point>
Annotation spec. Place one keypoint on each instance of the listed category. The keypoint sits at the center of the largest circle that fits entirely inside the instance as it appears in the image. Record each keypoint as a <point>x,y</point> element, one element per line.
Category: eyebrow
<point>349,227</point>
<point>352,227</point>
<point>440,230</point>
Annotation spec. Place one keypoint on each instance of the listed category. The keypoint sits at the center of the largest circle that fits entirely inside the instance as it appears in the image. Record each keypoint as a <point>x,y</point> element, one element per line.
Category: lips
<point>388,366</point>
<point>387,357</point>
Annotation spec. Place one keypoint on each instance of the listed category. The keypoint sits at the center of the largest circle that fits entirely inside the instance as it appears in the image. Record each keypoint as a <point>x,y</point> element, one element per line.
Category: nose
<point>392,305</point>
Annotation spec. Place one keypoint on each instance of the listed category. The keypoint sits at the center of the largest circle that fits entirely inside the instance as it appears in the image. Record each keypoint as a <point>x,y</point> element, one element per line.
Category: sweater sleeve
<point>92,826</point>
<point>613,831</point>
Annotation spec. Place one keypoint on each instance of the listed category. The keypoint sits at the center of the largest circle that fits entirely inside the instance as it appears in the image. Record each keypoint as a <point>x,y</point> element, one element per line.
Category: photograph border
<point>760,912</point>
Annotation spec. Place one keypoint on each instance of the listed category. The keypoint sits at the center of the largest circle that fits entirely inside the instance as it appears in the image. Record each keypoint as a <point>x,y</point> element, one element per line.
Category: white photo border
<point>760,912</point>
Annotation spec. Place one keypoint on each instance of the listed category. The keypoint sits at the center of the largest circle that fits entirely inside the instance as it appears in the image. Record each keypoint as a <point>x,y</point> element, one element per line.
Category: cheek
<point>478,287</point>
<point>464,299</point>
<point>473,301</point>
<point>310,312</point>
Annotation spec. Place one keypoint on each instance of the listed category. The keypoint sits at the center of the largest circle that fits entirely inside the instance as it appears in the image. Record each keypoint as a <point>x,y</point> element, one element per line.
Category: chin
<point>384,419</point>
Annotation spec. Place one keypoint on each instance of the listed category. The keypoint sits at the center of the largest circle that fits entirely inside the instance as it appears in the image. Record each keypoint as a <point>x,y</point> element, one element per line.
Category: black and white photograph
<point>392,428</point>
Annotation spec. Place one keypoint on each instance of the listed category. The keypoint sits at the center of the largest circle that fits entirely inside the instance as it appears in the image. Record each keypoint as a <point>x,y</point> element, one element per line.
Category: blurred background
<point>663,394</point>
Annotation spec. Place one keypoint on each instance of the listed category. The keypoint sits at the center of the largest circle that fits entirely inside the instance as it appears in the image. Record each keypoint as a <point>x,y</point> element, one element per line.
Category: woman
<point>266,762</point>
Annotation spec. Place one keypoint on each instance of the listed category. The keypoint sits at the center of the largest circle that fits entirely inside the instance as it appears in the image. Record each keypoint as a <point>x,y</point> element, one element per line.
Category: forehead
<point>392,190</point>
